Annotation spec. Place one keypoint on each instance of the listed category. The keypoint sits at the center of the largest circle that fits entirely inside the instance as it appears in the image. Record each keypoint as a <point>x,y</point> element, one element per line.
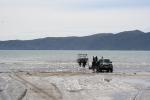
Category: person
<point>96,59</point>
<point>80,63</point>
<point>102,59</point>
<point>94,63</point>
<point>93,58</point>
<point>97,65</point>
<point>84,63</point>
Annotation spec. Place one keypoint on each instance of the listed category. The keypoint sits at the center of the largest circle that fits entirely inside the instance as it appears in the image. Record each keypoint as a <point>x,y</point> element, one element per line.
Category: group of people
<point>82,62</point>
<point>95,63</point>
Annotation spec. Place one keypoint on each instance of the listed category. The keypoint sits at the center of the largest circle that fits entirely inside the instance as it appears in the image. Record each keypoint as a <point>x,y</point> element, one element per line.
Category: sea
<point>66,60</point>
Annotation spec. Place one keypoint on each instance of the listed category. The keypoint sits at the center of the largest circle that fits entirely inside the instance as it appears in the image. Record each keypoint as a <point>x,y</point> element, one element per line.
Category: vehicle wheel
<point>111,70</point>
<point>100,70</point>
<point>97,71</point>
<point>108,70</point>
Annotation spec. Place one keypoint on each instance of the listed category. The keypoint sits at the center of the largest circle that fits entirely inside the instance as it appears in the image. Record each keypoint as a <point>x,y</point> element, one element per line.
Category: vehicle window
<point>106,60</point>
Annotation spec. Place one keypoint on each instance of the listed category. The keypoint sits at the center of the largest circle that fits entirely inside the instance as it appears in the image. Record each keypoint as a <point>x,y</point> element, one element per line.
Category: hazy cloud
<point>26,19</point>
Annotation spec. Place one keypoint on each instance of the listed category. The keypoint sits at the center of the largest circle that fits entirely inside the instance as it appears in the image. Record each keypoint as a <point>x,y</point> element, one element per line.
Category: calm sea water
<point>64,60</point>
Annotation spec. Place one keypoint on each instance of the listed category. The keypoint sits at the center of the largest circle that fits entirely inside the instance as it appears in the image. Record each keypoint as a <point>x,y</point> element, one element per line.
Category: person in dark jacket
<point>94,63</point>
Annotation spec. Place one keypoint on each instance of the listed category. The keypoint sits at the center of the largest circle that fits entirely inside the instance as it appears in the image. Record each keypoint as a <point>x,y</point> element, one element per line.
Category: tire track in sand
<point>45,95</point>
<point>143,94</point>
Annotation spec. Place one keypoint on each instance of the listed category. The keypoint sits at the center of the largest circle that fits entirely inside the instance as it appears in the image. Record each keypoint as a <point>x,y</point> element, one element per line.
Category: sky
<point>31,19</point>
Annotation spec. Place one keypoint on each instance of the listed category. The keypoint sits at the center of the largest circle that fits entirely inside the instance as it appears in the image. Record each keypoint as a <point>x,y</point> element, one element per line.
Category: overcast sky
<point>29,19</point>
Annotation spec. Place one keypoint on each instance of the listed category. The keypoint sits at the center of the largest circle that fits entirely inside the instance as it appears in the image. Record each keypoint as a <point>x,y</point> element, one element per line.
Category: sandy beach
<point>55,75</point>
<point>82,85</point>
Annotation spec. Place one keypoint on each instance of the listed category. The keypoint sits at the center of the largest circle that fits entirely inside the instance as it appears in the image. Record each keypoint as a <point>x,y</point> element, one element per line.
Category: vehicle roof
<point>82,55</point>
<point>104,59</point>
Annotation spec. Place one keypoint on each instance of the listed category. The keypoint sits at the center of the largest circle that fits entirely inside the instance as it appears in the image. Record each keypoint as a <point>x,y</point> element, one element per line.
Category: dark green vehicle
<point>104,65</point>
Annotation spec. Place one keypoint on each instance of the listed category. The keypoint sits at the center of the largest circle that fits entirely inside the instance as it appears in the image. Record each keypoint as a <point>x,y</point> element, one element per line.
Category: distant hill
<point>127,40</point>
